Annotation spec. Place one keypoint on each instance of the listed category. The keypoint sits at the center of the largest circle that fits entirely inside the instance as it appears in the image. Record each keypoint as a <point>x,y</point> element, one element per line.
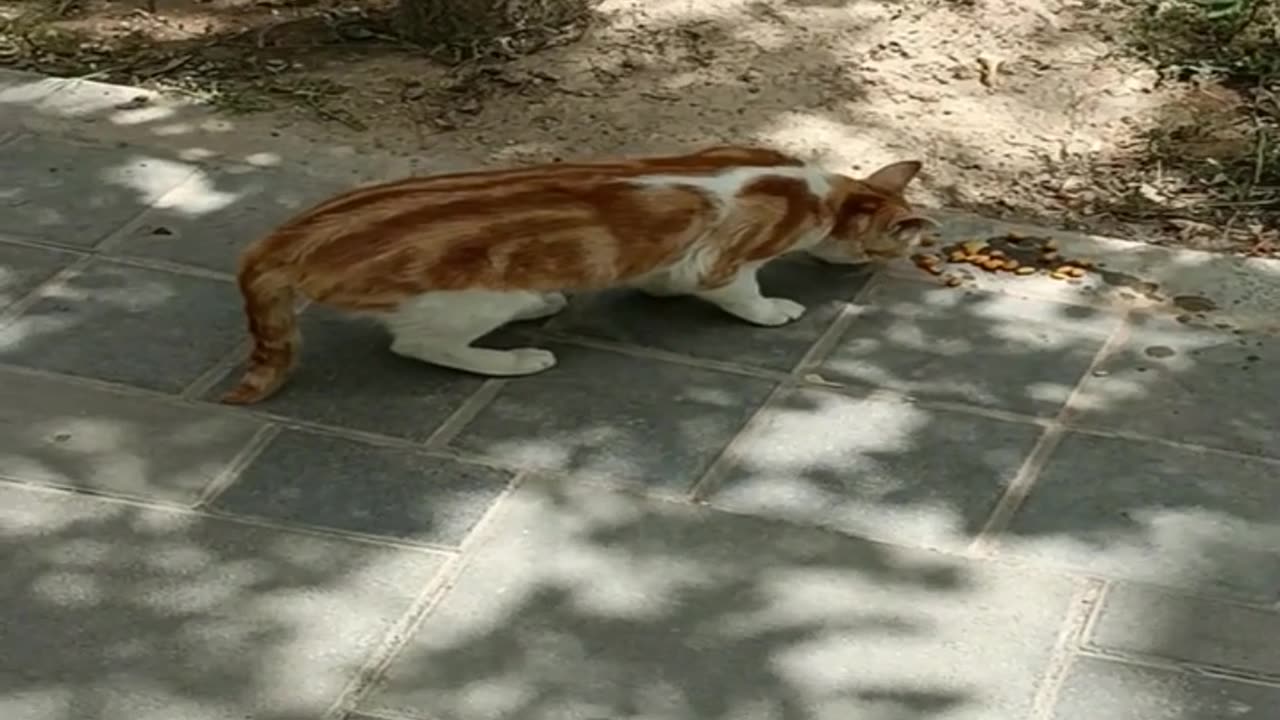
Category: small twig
<point>1226,229</point>
<point>1245,203</point>
<point>106,71</point>
<point>1261,156</point>
<point>173,64</point>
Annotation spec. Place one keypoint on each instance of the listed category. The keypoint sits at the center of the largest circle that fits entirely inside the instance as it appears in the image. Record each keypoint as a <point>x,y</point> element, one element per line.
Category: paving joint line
<point>674,358</point>
<point>821,348</point>
<point>1080,612</point>
<point>387,541</point>
<point>37,242</point>
<point>124,389</point>
<point>390,646</point>
<point>384,441</point>
<point>1024,480</point>
<point>1178,444</point>
<point>871,391</point>
<point>62,488</point>
<point>265,417</point>
<point>710,480</point>
<point>117,237</point>
<point>168,266</point>
<point>1068,569</point>
<point>1183,667</point>
<point>1018,490</point>
<point>233,358</point>
<point>1104,589</point>
<point>237,465</point>
<point>1191,593</point>
<point>209,379</point>
<point>185,510</point>
<point>137,217</point>
<point>448,431</point>
<point>246,412</point>
<point>19,307</point>
<point>953,552</point>
<point>380,715</point>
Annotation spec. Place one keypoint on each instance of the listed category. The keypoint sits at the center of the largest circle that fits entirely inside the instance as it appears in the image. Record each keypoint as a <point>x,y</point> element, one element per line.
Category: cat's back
<point>659,201</point>
<point>549,178</point>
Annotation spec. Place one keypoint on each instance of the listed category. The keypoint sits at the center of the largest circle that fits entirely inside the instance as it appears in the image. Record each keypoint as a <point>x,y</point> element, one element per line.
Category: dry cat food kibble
<point>1012,253</point>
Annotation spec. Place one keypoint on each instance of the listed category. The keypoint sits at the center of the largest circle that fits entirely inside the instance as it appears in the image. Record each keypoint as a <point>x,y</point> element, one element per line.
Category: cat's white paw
<point>772,311</point>
<point>526,361</point>
<point>482,361</point>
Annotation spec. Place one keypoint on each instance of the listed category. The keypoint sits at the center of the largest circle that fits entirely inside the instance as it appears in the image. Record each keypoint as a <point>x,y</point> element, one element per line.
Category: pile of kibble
<point>1012,253</point>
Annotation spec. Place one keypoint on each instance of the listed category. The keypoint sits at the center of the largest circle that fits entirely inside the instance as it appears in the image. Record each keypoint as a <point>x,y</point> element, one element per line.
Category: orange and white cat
<point>444,260</point>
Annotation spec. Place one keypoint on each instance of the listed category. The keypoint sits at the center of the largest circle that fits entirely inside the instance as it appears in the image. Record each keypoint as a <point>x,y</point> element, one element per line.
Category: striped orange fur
<point>444,260</point>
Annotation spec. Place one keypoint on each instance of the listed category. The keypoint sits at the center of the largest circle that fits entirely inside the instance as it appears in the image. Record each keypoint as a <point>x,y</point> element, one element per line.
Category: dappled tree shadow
<point>575,598</point>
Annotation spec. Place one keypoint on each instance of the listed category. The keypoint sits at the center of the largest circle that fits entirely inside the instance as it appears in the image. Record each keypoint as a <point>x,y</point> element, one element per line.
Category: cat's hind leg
<point>439,328</point>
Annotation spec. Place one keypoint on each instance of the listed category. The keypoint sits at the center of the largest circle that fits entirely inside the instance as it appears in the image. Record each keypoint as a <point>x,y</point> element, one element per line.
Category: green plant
<point>1225,9</point>
<point>1236,40</point>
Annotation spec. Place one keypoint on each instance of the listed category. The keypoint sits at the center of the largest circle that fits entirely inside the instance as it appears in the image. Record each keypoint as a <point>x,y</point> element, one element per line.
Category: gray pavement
<point>1025,501</point>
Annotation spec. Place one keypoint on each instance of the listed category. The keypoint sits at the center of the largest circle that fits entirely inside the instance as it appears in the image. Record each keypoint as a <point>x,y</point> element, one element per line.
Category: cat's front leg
<point>662,285</point>
<point>741,297</point>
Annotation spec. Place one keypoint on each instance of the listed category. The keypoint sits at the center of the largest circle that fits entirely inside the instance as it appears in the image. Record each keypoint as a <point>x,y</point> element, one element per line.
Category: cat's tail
<point>268,303</point>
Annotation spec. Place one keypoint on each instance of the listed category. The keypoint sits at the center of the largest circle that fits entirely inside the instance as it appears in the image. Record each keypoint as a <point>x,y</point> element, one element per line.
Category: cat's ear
<point>895,177</point>
<point>915,222</point>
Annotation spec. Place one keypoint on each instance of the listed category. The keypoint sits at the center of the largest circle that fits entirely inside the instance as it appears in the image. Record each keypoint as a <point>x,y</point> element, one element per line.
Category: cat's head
<point>874,221</point>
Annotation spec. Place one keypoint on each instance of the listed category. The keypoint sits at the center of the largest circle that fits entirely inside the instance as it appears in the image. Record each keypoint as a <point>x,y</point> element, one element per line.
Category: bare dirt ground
<point>1028,109</point>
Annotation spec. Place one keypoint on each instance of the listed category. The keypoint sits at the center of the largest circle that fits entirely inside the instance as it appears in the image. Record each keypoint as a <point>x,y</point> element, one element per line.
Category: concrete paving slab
<point>984,349</point>
<point>1160,514</point>
<point>143,327</point>
<point>78,194</point>
<point>586,603</point>
<point>1103,689</point>
<point>74,435</point>
<point>209,220</point>
<point>20,94</point>
<point>22,268</point>
<point>876,467</point>
<point>317,480</point>
<point>1188,384</point>
<point>1147,621</point>
<point>117,612</point>
<point>693,327</point>
<point>607,415</point>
